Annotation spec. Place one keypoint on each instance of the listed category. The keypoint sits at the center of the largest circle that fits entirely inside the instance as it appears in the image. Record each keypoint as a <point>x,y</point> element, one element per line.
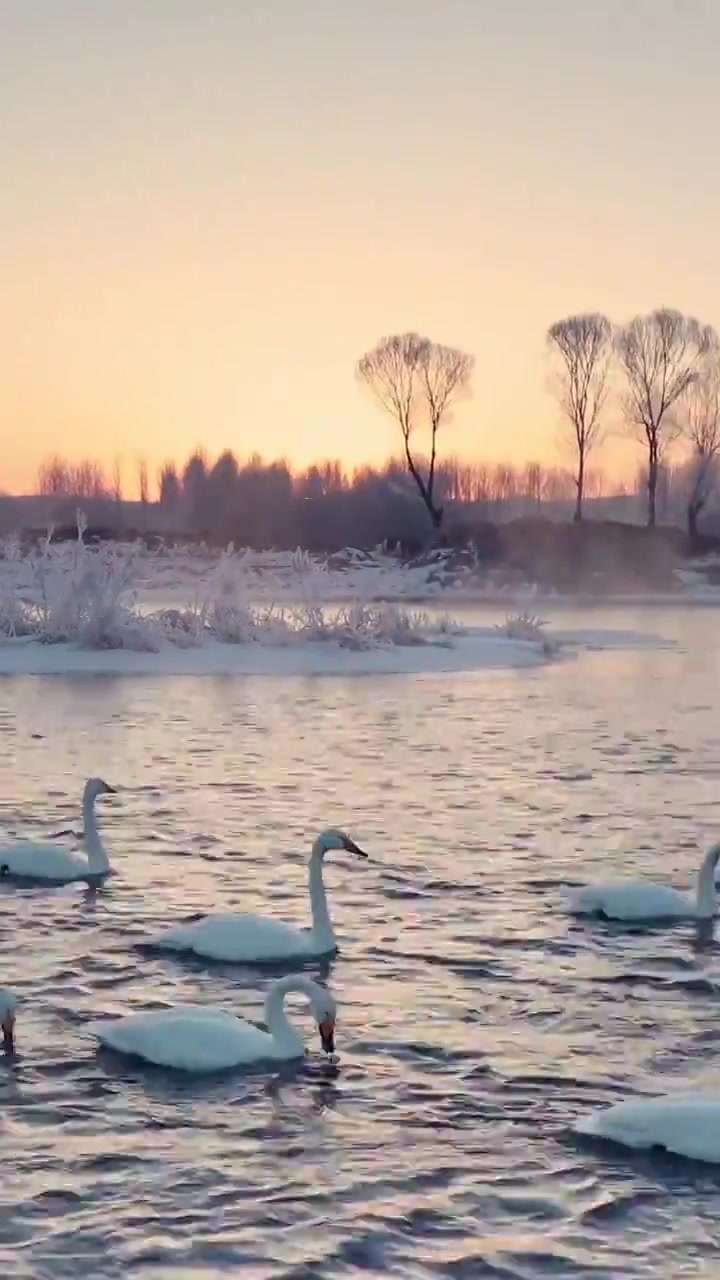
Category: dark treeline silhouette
<point>322,508</point>
<point>517,519</point>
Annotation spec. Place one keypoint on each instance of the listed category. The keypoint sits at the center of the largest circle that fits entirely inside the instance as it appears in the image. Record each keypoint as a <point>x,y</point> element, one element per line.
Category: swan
<point>54,863</point>
<point>250,938</point>
<point>207,1039</point>
<point>643,900</point>
<point>8,1006</point>
<point>684,1124</point>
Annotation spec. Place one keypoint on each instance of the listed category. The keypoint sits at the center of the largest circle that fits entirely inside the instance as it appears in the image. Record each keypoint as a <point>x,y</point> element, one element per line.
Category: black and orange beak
<point>327,1034</point>
<point>352,847</point>
<point>8,1030</point>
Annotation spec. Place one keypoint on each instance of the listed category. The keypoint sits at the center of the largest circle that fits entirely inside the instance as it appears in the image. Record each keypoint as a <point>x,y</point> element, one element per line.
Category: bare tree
<point>533,484</point>
<point>505,481</point>
<point>700,416</point>
<point>54,476</point>
<point>88,480</point>
<point>416,381</point>
<point>117,480</point>
<point>143,483</point>
<point>194,488</point>
<point>583,344</point>
<point>662,355</point>
<point>169,486</point>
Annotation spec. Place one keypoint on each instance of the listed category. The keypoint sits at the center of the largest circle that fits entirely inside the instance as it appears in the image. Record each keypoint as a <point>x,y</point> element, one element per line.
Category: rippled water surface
<point>476,1021</point>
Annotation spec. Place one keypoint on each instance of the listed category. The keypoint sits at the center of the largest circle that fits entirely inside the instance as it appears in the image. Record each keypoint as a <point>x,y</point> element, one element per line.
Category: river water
<point>476,1021</point>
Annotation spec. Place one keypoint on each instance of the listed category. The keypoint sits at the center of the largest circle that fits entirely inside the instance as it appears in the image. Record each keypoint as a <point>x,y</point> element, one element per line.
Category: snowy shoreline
<point>465,653</point>
<point>118,609</point>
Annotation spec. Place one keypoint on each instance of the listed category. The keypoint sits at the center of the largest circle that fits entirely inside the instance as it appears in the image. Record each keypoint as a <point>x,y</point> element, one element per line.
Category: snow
<point>468,652</point>
<point>121,608</point>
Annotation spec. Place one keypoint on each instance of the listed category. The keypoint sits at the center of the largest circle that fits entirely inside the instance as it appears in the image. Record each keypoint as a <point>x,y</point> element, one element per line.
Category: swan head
<point>8,1005</point>
<point>325,1011</point>
<point>95,787</point>
<point>335,839</point>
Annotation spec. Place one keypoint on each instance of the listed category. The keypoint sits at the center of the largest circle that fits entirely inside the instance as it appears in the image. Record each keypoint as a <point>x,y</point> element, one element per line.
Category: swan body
<point>644,900</point>
<point>52,862</point>
<point>197,1039</point>
<point>685,1125</point>
<point>255,939</point>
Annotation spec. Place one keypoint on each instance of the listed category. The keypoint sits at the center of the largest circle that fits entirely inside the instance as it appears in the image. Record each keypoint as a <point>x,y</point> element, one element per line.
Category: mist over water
<point>476,1020</point>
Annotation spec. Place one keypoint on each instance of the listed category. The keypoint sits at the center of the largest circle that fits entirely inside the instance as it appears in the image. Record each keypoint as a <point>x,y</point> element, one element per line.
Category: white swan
<point>8,1006</point>
<point>54,863</point>
<point>206,1039</point>
<point>644,900</point>
<point>250,938</point>
<point>685,1124</point>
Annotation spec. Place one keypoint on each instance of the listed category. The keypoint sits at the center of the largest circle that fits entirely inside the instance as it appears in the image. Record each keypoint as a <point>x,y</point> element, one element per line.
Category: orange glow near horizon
<point>211,218</point>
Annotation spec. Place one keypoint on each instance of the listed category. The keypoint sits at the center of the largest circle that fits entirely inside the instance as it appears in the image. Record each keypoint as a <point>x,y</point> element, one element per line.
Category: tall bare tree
<point>662,355</point>
<point>54,476</point>
<point>143,481</point>
<point>417,381</point>
<point>117,479</point>
<point>582,345</point>
<point>700,418</point>
<point>168,483</point>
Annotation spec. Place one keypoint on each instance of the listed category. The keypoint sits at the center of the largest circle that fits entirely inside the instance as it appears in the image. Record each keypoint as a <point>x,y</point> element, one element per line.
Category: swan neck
<point>706,896</point>
<point>321,922</point>
<point>285,1036</point>
<point>98,860</point>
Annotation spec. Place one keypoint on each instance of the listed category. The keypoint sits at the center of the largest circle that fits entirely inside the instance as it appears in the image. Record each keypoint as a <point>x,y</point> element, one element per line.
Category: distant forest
<point>324,507</point>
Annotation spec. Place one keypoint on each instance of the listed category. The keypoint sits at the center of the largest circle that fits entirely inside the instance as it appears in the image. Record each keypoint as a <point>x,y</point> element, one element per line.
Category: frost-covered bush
<point>86,594</point>
<point>526,626</point>
<point>99,597</point>
<point>523,626</point>
<point>16,617</point>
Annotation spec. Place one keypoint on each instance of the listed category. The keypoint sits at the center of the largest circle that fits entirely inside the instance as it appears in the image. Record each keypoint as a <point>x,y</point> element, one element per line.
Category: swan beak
<point>352,847</point>
<point>327,1034</point>
<point>8,1030</point>
<point>109,791</point>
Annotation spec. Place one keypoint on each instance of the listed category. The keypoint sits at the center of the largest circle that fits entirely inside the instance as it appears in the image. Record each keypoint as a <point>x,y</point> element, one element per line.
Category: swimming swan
<point>206,1039</point>
<point>257,939</point>
<point>643,900</point>
<point>684,1124</point>
<point>52,862</point>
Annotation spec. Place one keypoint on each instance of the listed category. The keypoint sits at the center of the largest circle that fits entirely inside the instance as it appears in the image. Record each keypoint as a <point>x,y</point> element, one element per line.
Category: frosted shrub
<point>184,628</point>
<point>88,596</point>
<point>525,626</point>
<point>85,595</point>
<point>366,626</point>
<point>16,618</point>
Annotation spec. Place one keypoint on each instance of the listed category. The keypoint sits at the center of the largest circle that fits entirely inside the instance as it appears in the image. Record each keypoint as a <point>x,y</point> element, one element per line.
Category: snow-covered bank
<point>121,608</point>
<point>468,650</point>
<point>465,652</point>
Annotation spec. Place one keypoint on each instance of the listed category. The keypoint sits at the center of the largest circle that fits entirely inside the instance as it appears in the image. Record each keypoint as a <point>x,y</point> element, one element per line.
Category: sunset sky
<point>211,208</point>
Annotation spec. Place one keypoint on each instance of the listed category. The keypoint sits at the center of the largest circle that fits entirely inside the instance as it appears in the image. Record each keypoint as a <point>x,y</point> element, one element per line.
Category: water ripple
<point>476,1019</point>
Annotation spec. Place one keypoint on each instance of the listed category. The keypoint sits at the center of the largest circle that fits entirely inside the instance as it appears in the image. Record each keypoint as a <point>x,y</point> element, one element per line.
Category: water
<point>476,1021</point>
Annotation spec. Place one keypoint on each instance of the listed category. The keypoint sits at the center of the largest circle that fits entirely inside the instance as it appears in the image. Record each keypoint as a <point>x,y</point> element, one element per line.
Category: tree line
<point>656,379</point>
<point>322,507</point>
<point>660,374</point>
<point>325,507</point>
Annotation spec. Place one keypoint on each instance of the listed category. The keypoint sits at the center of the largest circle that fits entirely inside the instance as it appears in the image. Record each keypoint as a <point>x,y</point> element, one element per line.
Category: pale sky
<point>211,208</point>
